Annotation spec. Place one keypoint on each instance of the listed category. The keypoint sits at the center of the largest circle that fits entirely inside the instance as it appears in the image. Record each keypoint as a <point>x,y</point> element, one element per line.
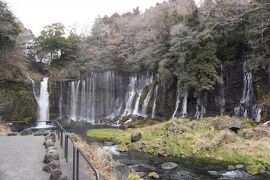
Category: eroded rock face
<point>136,136</point>
<point>120,171</point>
<point>26,132</point>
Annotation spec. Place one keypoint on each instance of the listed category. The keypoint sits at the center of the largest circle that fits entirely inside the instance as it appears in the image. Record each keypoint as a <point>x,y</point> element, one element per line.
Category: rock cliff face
<point>17,102</point>
<point>16,99</point>
<point>107,95</point>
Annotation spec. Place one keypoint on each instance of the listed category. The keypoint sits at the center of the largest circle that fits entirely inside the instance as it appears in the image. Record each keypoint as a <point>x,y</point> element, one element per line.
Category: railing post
<point>61,141</point>
<point>77,164</point>
<point>74,161</point>
<point>66,147</point>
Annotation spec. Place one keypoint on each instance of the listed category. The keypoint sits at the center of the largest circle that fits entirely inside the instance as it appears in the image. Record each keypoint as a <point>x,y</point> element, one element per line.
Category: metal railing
<point>77,152</point>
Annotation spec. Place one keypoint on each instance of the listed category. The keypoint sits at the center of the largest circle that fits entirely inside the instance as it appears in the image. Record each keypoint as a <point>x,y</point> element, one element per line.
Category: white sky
<point>35,14</point>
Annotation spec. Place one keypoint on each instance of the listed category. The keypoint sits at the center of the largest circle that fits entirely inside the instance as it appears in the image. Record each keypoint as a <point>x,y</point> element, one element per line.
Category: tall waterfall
<point>184,107</point>
<point>180,100</point>
<point>222,91</point>
<point>247,97</point>
<point>146,102</point>
<point>200,107</point>
<point>42,101</point>
<point>177,103</point>
<point>98,96</point>
<point>155,102</point>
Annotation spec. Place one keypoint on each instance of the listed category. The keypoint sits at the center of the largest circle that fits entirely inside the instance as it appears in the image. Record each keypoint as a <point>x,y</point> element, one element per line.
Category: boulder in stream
<point>136,136</point>
<point>169,165</point>
<point>120,171</point>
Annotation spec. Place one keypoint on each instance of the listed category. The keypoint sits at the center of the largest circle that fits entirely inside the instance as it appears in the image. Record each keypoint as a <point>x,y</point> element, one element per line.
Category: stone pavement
<point>21,158</point>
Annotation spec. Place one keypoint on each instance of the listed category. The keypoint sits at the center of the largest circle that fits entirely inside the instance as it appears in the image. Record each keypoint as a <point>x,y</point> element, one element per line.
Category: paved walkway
<point>21,158</point>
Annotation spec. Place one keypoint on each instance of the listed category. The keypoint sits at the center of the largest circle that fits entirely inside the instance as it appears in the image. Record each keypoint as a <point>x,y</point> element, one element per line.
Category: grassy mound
<point>208,138</point>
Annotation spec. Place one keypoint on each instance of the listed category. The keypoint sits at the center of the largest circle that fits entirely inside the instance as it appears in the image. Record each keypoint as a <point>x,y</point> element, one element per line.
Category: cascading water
<point>184,107</point>
<point>155,102</point>
<point>256,113</point>
<point>43,102</point>
<point>137,104</point>
<point>200,107</point>
<point>222,92</point>
<point>98,96</point>
<point>178,101</point>
<point>145,103</point>
<point>247,97</point>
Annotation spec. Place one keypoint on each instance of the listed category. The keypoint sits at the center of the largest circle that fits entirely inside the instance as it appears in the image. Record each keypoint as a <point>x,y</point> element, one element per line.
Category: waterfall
<point>74,99</point>
<point>131,95</point>
<point>200,108</point>
<point>136,109</point>
<point>184,107</point>
<point>222,91</point>
<point>83,101</point>
<point>155,102</point>
<point>42,102</point>
<point>102,96</point>
<point>177,103</point>
<point>146,102</point>
<point>61,101</point>
<point>247,97</point>
<point>256,113</point>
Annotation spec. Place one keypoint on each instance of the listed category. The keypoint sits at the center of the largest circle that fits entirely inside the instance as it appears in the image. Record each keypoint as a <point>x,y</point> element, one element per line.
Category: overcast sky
<point>35,14</point>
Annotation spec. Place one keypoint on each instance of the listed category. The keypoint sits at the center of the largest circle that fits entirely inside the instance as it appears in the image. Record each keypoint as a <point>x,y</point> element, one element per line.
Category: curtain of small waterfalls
<point>247,108</point>
<point>99,96</point>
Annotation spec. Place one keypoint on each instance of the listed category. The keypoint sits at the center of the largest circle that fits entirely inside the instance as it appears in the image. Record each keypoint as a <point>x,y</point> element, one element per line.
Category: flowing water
<point>42,99</point>
<point>187,169</point>
<point>101,96</point>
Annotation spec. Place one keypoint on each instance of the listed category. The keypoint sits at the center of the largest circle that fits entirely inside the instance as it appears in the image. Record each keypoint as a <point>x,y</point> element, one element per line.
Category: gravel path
<point>21,158</point>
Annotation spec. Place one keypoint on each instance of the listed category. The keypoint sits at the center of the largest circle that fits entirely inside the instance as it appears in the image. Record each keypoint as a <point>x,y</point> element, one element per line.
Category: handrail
<point>76,151</point>
<point>79,151</point>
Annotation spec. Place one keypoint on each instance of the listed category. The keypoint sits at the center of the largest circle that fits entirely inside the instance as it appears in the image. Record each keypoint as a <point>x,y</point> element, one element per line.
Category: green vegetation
<point>53,41</point>
<point>9,30</point>
<point>208,138</point>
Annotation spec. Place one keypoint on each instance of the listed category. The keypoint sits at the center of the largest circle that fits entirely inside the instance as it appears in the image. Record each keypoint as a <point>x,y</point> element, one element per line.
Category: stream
<point>187,168</point>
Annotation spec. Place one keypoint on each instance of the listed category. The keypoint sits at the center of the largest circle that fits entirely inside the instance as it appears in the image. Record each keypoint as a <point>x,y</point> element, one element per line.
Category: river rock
<point>51,148</point>
<point>248,134</point>
<point>239,166</point>
<point>51,136</point>
<point>51,166</point>
<point>235,126</point>
<point>39,133</point>
<point>141,174</point>
<point>12,134</point>
<point>136,136</point>
<point>153,175</point>
<point>231,168</point>
<point>56,174</point>
<point>52,155</point>
<point>63,178</point>
<point>237,175</point>
<point>26,132</point>
<point>120,171</point>
<point>49,143</point>
<point>169,165</point>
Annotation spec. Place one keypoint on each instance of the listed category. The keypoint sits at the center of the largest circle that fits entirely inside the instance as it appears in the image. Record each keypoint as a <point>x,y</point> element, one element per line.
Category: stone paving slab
<point>21,158</point>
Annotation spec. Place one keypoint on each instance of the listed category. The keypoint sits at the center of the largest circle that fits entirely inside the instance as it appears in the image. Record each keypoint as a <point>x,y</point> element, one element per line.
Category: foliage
<point>208,138</point>
<point>53,41</point>
<point>9,29</point>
